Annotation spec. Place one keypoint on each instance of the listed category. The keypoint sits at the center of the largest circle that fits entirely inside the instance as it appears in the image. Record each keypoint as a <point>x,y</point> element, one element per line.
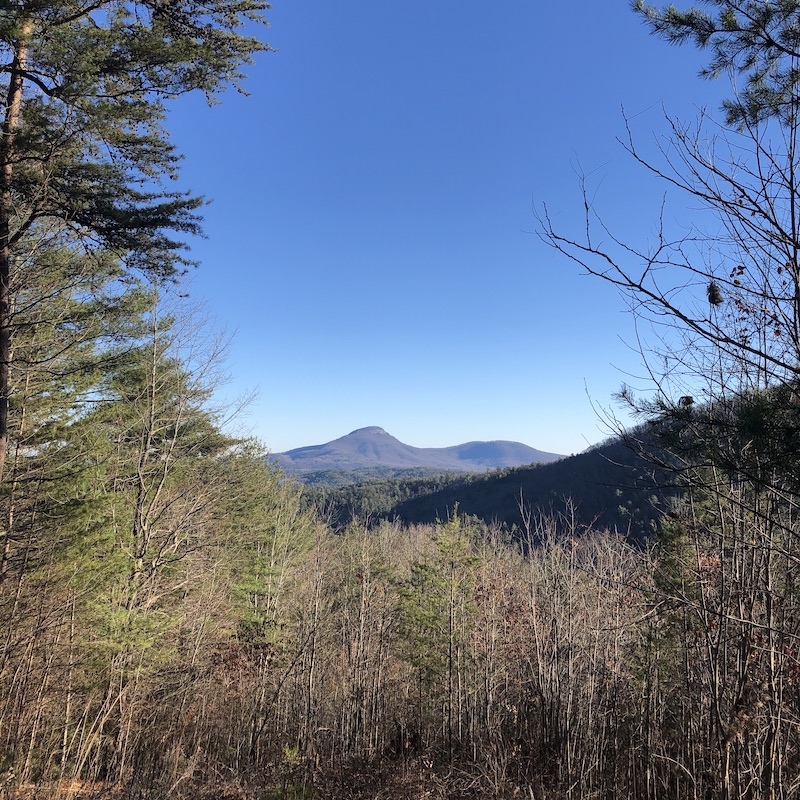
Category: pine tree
<point>74,318</point>
<point>83,147</point>
<point>756,41</point>
<point>437,611</point>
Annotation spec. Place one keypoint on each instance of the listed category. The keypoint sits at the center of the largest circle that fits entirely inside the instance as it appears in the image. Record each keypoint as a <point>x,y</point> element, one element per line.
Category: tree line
<point>249,649</point>
<point>611,486</point>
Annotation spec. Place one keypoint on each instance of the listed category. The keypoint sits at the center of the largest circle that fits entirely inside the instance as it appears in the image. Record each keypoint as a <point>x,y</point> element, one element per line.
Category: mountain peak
<point>367,448</point>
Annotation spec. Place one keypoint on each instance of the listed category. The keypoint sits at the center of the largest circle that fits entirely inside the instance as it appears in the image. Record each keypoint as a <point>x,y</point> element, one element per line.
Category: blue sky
<point>371,241</point>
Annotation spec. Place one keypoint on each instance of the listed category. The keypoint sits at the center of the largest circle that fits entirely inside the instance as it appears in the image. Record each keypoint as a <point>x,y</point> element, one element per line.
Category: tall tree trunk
<point>9,130</point>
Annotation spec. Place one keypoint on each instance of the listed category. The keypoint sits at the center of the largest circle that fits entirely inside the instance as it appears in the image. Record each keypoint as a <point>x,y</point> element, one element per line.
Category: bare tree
<point>717,305</point>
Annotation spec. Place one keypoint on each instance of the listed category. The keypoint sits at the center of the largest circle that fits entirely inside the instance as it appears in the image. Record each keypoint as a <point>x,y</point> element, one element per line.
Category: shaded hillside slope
<point>609,486</point>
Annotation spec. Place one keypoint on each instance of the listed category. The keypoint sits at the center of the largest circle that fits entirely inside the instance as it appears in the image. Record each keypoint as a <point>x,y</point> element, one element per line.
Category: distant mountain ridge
<point>371,447</point>
<point>614,485</point>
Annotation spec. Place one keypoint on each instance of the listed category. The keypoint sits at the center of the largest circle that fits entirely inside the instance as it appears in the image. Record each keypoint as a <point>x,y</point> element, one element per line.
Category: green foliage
<point>754,433</point>
<point>674,560</point>
<point>272,536</point>
<point>758,40</point>
<point>437,600</point>
<point>595,482</point>
<point>73,319</point>
<point>375,498</point>
<point>334,478</point>
<point>89,147</point>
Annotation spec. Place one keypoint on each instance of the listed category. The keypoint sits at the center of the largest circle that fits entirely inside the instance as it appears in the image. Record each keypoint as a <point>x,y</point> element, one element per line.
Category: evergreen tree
<point>72,319</point>
<point>759,41</point>
<point>83,88</point>
<point>437,613</point>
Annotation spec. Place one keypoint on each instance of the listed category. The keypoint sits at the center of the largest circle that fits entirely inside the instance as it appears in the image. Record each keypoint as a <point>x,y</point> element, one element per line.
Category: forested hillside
<point>613,486</point>
<point>176,623</point>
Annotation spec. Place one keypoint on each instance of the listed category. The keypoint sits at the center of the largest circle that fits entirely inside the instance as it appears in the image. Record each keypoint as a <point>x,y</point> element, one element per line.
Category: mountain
<point>611,486</point>
<point>369,448</point>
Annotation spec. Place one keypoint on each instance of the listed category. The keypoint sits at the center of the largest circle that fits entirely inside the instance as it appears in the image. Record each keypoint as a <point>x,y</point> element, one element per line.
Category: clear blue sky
<point>371,237</point>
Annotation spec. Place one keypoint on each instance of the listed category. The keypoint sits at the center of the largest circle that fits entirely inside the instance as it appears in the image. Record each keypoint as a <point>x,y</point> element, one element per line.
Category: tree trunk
<point>9,130</point>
